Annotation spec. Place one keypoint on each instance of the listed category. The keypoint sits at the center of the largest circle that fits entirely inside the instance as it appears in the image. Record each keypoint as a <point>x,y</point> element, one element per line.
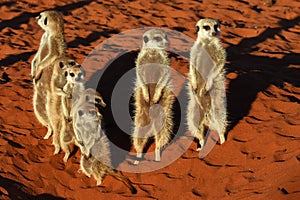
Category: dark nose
<point>78,78</point>
<point>214,33</point>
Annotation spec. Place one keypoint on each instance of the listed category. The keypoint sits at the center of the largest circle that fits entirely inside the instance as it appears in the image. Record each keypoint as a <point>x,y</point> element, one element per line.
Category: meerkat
<point>153,96</point>
<point>89,97</point>
<point>96,161</point>
<point>206,83</point>
<point>52,44</point>
<point>70,93</point>
<point>54,94</point>
<point>72,89</point>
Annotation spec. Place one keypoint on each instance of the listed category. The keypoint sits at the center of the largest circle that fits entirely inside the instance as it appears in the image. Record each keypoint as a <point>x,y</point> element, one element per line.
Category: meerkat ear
<point>146,39</point>
<point>61,64</point>
<point>197,28</point>
<point>46,21</point>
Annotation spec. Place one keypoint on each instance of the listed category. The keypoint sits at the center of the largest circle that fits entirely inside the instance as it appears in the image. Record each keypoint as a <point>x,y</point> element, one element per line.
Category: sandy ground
<point>260,159</point>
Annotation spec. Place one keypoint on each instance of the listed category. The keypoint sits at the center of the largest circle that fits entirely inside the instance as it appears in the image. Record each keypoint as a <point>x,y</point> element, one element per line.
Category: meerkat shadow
<point>105,81</point>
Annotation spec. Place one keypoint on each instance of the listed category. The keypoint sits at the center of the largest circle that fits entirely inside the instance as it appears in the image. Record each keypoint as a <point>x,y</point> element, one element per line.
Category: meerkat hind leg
<point>49,133</point>
<point>139,144</point>
<point>161,140</point>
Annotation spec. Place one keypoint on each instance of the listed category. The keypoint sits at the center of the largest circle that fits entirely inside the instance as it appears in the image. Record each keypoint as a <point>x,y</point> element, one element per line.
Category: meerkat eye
<point>72,74</point>
<point>146,39</point>
<point>46,21</point>
<point>92,112</point>
<point>207,28</point>
<point>158,39</point>
<point>66,73</point>
<point>72,63</point>
<point>61,64</point>
<point>80,113</point>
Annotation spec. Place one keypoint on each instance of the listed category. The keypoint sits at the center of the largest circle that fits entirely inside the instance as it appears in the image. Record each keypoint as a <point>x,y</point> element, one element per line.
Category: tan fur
<point>71,91</point>
<point>153,96</point>
<point>40,98</point>
<point>52,43</point>
<point>207,104</point>
<point>89,96</point>
<point>73,88</point>
<point>54,100</point>
<point>96,157</point>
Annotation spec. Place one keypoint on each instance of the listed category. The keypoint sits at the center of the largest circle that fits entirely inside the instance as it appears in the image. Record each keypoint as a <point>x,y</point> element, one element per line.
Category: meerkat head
<point>92,96</point>
<point>51,21</point>
<point>155,38</point>
<point>74,74</point>
<point>91,119</point>
<point>207,29</point>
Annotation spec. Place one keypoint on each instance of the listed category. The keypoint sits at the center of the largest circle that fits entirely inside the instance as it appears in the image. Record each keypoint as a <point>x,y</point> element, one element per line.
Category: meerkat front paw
<point>157,95</point>
<point>146,94</point>
<point>194,84</point>
<point>69,119</point>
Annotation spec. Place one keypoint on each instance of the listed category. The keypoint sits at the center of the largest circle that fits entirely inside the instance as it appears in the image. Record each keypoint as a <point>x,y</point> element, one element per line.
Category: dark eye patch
<point>92,112</point>
<point>66,73</point>
<point>72,74</point>
<point>146,39</point>
<point>207,28</point>
<point>46,21</point>
<point>61,64</point>
<point>158,39</point>
<point>80,113</point>
<point>72,63</point>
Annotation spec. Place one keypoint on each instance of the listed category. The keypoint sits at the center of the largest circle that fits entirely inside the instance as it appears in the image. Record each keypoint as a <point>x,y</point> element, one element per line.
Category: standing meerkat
<point>71,91</point>
<point>207,82</point>
<point>52,46</point>
<point>96,157</point>
<point>52,43</point>
<point>153,96</point>
<point>92,97</point>
<point>55,94</point>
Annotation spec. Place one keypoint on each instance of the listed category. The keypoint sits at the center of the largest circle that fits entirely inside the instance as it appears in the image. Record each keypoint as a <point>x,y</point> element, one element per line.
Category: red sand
<point>259,160</point>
